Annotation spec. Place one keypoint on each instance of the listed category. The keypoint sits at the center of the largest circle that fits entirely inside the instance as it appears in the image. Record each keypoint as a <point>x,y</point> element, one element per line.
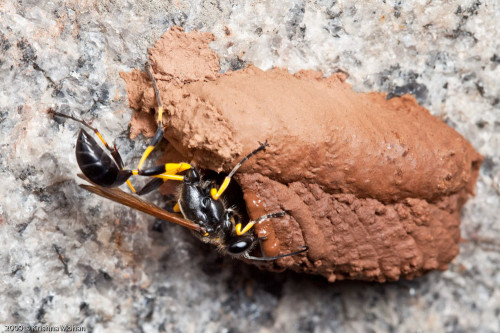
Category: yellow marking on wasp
<point>165,177</point>
<point>145,156</point>
<point>135,172</point>
<point>177,209</point>
<point>130,185</point>
<point>205,234</point>
<point>249,226</point>
<point>223,187</point>
<point>100,137</point>
<point>160,114</point>
<point>173,168</point>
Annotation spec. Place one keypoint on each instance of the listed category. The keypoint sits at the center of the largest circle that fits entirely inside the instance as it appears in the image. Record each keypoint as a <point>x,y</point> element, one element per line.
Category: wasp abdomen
<point>96,164</point>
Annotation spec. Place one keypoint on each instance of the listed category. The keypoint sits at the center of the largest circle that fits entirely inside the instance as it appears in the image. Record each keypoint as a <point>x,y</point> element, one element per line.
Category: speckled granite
<point>71,258</point>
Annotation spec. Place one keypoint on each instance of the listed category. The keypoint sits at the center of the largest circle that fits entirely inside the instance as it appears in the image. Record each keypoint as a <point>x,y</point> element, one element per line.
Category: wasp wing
<point>134,202</point>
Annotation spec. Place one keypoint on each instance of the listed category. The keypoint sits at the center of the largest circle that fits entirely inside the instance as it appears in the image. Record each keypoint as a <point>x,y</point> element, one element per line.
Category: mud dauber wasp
<point>201,203</point>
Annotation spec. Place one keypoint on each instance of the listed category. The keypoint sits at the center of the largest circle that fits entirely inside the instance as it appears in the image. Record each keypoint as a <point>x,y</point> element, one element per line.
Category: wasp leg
<point>217,193</point>
<point>165,171</point>
<point>302,249</point>
<point>161,174</point>
<point>159,132</point>
<point>168,170</point>
<point>250,224</point>
<point>152,185</point>
<point>114,151</point>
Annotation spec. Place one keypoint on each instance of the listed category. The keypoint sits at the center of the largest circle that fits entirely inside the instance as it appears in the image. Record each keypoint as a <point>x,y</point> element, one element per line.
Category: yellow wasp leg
<point>166,177</point>
<point>129,183</point>
<point>173,168</point>
<point>145,156</point>
<point>164,169</point>
<point>159,132</point>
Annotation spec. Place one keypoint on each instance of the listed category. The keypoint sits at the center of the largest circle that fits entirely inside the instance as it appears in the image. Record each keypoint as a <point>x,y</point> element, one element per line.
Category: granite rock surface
<point>71,258</point>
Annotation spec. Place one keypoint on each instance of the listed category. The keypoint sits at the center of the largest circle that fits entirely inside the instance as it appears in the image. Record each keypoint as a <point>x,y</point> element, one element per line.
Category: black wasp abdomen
<point>94,162</point>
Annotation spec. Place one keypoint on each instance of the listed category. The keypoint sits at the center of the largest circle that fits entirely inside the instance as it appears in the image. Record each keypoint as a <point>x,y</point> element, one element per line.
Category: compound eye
<point>240,246</point>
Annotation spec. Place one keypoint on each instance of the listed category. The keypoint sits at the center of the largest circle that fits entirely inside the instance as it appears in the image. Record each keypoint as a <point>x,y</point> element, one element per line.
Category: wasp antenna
<point>262,146</point>
<point>302,249</point>
<point>217,193</point>
<point>269,216</point>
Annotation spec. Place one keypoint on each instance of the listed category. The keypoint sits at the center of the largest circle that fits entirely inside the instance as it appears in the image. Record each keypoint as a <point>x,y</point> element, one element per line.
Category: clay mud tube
<point>373,186</point>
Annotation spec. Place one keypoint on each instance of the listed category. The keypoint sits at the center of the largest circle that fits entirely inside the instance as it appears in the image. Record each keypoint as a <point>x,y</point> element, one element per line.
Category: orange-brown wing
<point>134,202</point>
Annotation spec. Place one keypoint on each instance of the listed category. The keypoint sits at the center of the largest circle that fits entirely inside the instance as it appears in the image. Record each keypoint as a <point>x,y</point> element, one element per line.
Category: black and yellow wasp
<point>202,202</point>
